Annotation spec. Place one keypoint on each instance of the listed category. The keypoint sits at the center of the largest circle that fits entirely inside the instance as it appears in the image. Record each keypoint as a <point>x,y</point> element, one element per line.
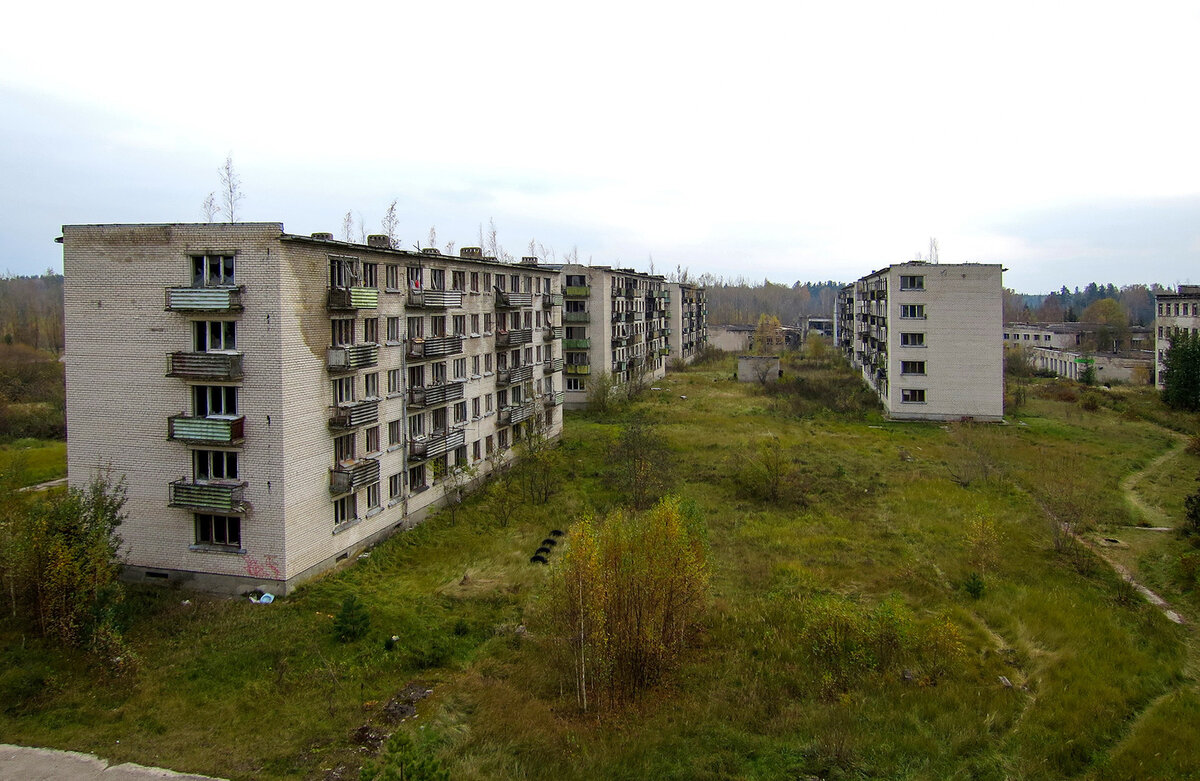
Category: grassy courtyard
<point>1026,657</point>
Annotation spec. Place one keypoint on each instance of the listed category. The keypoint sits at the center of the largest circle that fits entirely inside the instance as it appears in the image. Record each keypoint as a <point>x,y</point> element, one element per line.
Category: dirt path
<point>1152,515</point>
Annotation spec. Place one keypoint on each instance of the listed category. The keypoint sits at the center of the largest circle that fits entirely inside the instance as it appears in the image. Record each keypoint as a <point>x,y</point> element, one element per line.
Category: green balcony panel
<point>350,298</point>
<point>577,344</point>
<point>577,291</point>
<point>210,431</point>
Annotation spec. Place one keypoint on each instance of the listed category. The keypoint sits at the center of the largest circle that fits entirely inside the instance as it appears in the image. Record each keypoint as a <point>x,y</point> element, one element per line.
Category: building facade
<point>1068,349</point>
<point>926,338</point>
<point>687,322</point>
<point>316,396</point>
<point>1177,312</point>
<point>615,321</point>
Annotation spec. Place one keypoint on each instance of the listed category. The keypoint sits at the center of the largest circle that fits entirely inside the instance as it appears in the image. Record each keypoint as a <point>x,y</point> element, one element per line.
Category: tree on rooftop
<point>231,188</point>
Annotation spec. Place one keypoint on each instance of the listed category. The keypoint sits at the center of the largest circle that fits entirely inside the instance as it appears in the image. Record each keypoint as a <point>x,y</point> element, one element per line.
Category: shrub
<point>973,585</point>
<point>403,759</point>
<point>628,597</point>
<point>1189,569</point>
<point>1191,514</point>
<point>1090,402</point>
<point>352,621</point>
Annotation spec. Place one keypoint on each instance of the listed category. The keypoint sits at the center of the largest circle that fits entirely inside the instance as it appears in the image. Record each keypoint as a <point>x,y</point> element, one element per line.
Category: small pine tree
<point>352,621</point>
<point>404,760</point>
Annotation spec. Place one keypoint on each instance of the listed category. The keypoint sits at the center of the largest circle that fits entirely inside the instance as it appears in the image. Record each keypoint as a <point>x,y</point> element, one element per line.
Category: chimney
<point>471,252</point>
<point>324,236</point>
<point>379,241</point>
<point>430,251</point>
<point>529,261</point>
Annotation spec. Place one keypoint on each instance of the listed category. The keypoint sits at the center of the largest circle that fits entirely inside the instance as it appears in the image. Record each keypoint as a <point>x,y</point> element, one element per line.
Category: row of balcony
<point>229,299</point>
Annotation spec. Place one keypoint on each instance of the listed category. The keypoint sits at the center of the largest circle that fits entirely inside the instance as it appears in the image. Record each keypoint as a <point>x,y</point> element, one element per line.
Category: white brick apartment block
<point>927,338</point>
<point>278,402</point>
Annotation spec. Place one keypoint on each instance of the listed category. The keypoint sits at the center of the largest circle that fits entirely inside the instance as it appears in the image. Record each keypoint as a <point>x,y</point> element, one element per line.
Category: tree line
<point>1068,306</point>
<point>739,301</point>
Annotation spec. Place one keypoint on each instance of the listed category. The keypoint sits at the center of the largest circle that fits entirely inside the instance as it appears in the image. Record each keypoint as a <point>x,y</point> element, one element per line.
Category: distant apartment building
<point>1068,349</point>
<point>1177,312</point>
<point>926,337</point>
<point>687,320</point>
<point>277,402</point>
<point>615,321</point>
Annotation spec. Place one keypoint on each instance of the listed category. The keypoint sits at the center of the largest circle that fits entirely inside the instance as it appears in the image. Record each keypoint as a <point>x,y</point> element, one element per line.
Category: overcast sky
<point>803,141</point>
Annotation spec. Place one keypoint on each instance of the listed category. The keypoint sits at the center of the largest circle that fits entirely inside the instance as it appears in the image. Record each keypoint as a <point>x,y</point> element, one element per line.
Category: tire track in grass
<point>1151,514</point>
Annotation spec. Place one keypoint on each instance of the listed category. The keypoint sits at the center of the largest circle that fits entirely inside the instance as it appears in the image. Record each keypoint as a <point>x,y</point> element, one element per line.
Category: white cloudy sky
<point>811,140</point>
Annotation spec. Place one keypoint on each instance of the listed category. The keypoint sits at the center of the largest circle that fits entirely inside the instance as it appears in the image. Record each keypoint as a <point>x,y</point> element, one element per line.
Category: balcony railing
<point>514,337</point>
<point>353,298</point>
<point>206,431</point>
<point>215,497</point>
<point>548,333</point>
<point>558,332</point>
<point>432,395</point>
<point>552,300</point>
<point>577,291</point>
<point>510,300</point>
<point>577,344</point>
<point>344,479</point>
<point>514,375</point>
<point>205,366</point>
<point>556,365</point>
<point>436,444</point>
<point>435,299</point>
<point>354,415</point>
<point>578,368</point>
<point>510,416</point>
<point>553,399</point>
<point>434,347</point>
<point>575,317</point>
<point>618,366</point>
<point>204,299</point>
<point>352,356</point>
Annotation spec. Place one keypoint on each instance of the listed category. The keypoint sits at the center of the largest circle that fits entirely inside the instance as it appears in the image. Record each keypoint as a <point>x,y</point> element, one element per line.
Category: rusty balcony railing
<point>514,337</point>
<point>205,366</point>
<point>359,413</point>
<point>435,444</point>
<point>214,497</point>
<point>349,357</point>
<point>222,430</point>
<point>345,478</point>
<point>351,298</point>
<point>420,348</point>
<point>435,299</point>
<point>507,300</point>
<point>433,395</point>
<point>514,375</point>
<point>204,299</point>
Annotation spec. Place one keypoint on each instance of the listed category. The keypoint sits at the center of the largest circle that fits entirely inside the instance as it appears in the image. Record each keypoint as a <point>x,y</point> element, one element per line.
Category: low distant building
<point>731,338</point>
<point>819,326</point>
<point>926,338</point>
<point>1067,349</point>
<point>1177,312</point>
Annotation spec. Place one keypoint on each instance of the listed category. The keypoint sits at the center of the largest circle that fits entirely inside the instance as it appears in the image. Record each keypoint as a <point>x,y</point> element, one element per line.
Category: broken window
<point>215,335</point>
<point>212,270</point>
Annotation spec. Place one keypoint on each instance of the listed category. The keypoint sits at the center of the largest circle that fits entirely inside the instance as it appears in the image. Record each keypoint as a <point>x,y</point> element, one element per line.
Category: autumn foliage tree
<point>629,597</point>
<point>641,463</point>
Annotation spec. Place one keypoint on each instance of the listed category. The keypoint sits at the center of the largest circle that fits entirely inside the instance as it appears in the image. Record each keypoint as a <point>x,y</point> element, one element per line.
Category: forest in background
<point>32,386</point>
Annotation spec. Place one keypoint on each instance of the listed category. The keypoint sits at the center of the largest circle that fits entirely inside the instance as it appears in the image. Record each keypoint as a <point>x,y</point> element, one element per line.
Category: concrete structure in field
<point>615,321</point>
<point>926,337</point>
<point>1067,349</point>
<point>758,368</point>
<point>278,402</point>
<point>731,338</point>
<point>1175,313</point>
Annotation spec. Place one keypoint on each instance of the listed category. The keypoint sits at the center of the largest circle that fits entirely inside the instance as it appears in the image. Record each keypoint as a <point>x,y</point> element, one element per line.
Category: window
<point>393,329</point>
<point>371,330</point>
<point>458,280</point>
<point>916,339</point>
<point>343,390</point>
<point>373,496</point>
<point>502,438</point>
<point>214,400</point>
<point>392,276</point>
<point>1027,337</point>
<point>460,368</point>
<point>574,384</point>
<point>394,485</point>
<point>370,275</point>
<point>218,530</point>
<point>416,478</point>
<point>437,325</point>
<point>437,279</point>
<point>487,402</point>
<point>394,432</point>
<point>474,281</point>
<point>414,277</point>
<point>487,281</point>
<point>488,445</point>
<point>475,365</point>
<point>343,271</point>
<point>1160,307</point>
<point>214,465</point>
<point>341,331</point>
<point>215,335</point>
<point>501,283</point>
<point>912,311</point>
<point>416,426</point>
<point>475,407</point>
<point>438,372</point>
<point>912,367</point>
<point>460,412</point>
<point>416,327</point>
<point>487,322</point>
<point>373,439</point>
<point>371,385</point>
<point>460,455</point>
<point>912,283</point>
<point>345,509</point>
<point>212,271</point>
<point>393,381</point>
<point>475,450</point>
<point>460,325</point>
<point>474,325</point>
<point>439,420</point>
<point>487,363</point>
<point>343,448</point>
<point>912,396</point>
<point>416,376</point>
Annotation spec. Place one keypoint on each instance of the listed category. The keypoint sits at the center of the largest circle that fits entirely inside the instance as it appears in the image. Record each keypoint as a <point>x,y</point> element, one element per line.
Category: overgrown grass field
<point>825,523</point>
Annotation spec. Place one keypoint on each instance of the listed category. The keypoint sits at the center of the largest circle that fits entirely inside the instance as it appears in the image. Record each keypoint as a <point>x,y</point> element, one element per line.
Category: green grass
<point>1101,688</point>
<point>34,460</point>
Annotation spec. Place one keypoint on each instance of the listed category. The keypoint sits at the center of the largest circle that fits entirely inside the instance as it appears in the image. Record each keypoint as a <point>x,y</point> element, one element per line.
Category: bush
<point>974,585</point>
<point>404,760</point>
<point>628,598</point>
<point>352,621</point>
